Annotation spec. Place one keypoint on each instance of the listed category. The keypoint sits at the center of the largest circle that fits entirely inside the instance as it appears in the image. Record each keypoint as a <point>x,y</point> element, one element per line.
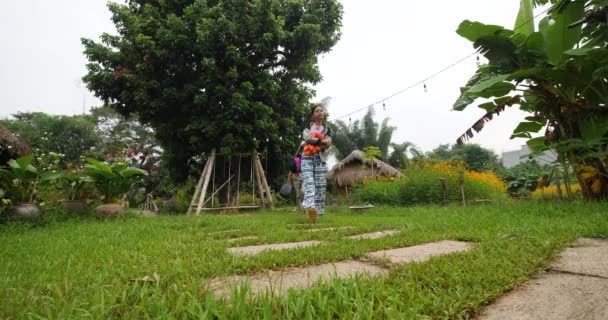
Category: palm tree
<point>361,134</point>
<point>399,157</point>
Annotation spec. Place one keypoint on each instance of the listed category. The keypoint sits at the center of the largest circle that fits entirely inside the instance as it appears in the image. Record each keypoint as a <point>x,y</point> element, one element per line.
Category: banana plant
<point>22,179</point>
<point>554,73</point>
<point>112,180</point>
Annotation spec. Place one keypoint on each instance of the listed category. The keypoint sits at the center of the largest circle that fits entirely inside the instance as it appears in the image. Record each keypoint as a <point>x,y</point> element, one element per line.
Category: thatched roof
<point>353,168</point>
<point>11,146</point>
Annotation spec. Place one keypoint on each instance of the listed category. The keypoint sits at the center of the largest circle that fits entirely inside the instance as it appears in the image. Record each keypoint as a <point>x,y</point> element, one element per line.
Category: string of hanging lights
<point>425,80</point>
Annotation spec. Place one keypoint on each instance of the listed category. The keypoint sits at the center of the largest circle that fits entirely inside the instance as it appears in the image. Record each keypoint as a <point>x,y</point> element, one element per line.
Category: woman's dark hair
<point>312,111</point>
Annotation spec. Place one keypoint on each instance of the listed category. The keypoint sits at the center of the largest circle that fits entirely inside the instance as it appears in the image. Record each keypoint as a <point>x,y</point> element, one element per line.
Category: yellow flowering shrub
<point>550,192</point>
<point>421,184</point>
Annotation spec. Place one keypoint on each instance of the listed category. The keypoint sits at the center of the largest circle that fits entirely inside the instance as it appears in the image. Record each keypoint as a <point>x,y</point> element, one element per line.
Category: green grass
<point>84,268</point>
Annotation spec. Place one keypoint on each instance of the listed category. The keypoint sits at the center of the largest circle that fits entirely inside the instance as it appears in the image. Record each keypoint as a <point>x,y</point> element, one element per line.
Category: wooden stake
<point>444,191</point>
<point>559,188</point>
<point>464,202</point>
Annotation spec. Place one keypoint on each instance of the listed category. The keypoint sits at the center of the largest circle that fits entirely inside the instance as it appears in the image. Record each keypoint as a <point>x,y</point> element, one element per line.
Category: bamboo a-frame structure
<point>200,199</point>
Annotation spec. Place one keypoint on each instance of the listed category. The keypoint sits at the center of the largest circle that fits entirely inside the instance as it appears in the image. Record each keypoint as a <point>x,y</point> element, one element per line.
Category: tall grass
<point>94,269</point>
<point>421,184</point>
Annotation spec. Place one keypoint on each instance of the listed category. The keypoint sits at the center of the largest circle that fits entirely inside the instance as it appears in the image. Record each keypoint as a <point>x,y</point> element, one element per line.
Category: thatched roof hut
<point>11,146</point>
<point>354,167</point>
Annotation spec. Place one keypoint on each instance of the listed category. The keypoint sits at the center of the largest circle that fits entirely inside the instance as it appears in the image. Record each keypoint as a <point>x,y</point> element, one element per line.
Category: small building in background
<point>515,157</point>
<point>352,170</point>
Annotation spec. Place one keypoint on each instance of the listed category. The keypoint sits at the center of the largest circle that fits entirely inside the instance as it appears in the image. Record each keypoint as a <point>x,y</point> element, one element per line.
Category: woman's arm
<point>308,139</point>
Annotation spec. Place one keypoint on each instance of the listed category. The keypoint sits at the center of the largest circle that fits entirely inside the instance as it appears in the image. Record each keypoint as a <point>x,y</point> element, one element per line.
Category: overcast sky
<point>386,46</point>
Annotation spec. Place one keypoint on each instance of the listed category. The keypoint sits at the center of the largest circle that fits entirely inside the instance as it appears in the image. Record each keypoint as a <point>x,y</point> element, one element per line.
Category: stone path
<point>223,231</point>
<point>329,229</point>
<point>575,287</point>
<point>304,277</point>
<point>242,238</point>
<point>253,250</point>
<point>421,252</point>
<point>301,277</point>
<point>374,235</point>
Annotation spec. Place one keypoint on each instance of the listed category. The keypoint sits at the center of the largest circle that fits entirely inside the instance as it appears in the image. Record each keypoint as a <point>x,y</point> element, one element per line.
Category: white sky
<point>386,46</point>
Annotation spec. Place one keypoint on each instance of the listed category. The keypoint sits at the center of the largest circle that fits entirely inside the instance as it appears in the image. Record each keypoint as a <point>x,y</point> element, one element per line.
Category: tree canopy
<point>207,74</point>
<point>475,156</point>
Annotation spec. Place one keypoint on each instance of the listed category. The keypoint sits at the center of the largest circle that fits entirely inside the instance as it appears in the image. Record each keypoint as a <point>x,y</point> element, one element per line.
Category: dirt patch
<point>590,257</point>
<point>554,296</point>
<point>242,238</point>
<point>374,235</point>
<point>281,281</point>
<point>253,250</point>
<point>421,252</point>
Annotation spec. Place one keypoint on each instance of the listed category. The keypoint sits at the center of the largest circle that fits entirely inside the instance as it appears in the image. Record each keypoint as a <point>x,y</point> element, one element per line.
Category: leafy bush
<point>523,178</point>
<point>421,185</point>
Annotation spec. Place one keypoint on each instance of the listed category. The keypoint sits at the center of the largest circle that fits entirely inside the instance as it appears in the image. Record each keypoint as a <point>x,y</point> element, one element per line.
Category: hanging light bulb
<point>551,21</point>
<point>383,106</point>
<point>425,88</point>
<point>478,61</point>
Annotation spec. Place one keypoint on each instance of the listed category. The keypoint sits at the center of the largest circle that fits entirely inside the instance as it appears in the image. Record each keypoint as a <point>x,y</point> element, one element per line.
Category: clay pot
<point>27,211</point>
<point>74,206</point>
<point>111,210</point>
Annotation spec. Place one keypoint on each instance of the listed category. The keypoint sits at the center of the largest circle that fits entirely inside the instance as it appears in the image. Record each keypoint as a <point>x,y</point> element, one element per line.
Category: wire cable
<point>434,74</point>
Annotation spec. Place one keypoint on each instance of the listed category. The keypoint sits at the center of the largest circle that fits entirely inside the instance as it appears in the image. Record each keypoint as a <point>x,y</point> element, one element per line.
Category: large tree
<point>224,74</point>
<point>475,156</point>
<point>558,74</point>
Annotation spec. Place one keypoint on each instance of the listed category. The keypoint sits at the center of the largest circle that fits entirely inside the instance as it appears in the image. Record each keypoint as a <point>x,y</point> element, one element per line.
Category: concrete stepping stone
<point>576,288</point>
<point>223,231</point>
<point>589,257</point>
<point>242,238</point>
<point>553,296</point>
<point>300,277</point>
<point>374,235</point>
<point>254,250</point>
<point>421,252</point>
<point>329,229</point>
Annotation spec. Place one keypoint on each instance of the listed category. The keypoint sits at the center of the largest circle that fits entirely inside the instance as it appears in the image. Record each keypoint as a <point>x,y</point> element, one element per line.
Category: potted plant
<point>76,183</point>
<point>21,181</point>
<point>112,181</point>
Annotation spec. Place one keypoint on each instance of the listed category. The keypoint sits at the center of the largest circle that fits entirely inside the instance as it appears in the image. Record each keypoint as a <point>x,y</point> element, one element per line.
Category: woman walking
<point>314,167</point>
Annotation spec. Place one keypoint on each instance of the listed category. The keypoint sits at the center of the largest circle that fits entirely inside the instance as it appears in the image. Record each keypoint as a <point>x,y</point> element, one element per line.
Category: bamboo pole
<point>206,182</point>
<point>198,187</point>
<point>264,182</point>
<point>218,190</point>
<point>257,178</point>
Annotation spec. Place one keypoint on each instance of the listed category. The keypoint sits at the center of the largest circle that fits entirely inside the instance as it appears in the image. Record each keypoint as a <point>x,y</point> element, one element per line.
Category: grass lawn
<point>85,268</point>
